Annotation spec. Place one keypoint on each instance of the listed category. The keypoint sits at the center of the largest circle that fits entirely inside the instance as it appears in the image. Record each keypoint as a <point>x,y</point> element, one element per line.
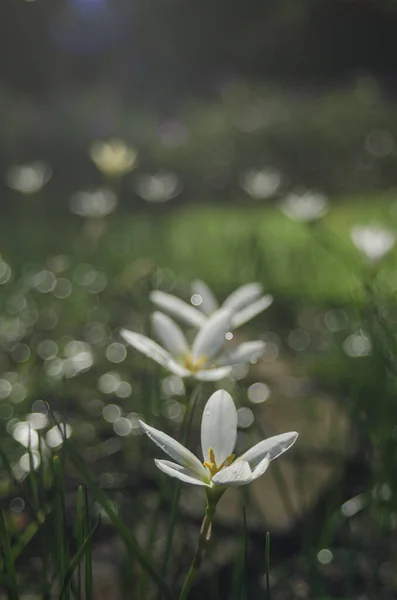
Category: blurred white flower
<point>305,206</point>
<point>205,360</point>
<point>244,304</point>
<point>29,178</point>
<point>357,344</point>
<point>374,241</point>
<point>261,184</point>
<point>220,469</point>
<point>114,157</point>
<point>160,187</point>
<point>95,204</point>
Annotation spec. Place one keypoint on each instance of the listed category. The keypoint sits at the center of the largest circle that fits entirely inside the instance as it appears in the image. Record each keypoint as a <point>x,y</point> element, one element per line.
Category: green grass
<point>224,245</point>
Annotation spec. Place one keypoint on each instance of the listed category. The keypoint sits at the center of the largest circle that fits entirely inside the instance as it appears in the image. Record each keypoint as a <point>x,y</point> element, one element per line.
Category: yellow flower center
<point>194,365</point>
<point>211,463</point>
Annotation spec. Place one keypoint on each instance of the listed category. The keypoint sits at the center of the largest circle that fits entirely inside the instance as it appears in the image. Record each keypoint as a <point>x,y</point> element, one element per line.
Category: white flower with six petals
<point>374,241</point>
<point>244,304</point>
<point>204,359</point>
<point>219,468</point>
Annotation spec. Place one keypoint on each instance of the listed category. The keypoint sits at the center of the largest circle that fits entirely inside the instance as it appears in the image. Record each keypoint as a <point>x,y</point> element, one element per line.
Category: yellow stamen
<point>194,365</point>
<point>211,463</point>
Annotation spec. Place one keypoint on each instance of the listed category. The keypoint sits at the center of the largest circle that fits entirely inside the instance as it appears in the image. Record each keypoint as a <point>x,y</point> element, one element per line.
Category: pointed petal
<point>179,453</point>
<point>239,473</point>
<point>249,312</point>
<point>219,426</point>
<point>243,353</point>
<point>170,334</point>
<point>178,308</point>
<point>244,295</point>
<point>209,302</point>
<point>152,350</point>
<point>211,336</point>
<point>273,446</point>
<point>212,374</point>
<point>179,472</point>
<point>261,468</point>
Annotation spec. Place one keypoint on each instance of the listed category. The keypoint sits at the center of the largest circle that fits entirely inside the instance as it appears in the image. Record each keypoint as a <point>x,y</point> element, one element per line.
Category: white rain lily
<point>94,204</point>
<point>30,178</point>
<point>261,184</point>
<point>219,469</point>
<point>244,304</point>
<point>305,206</point>
<point>113,157</point>
<point>374,241</point>
<point>160,187</point>
<point>204,359</point>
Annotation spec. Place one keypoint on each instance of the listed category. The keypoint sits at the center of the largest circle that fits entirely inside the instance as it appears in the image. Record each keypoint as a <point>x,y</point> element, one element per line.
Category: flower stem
<point>186,427</point>
<point>205,535</point>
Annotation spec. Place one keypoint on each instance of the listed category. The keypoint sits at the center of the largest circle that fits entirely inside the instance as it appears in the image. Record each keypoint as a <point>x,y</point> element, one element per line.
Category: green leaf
<point>9,560</point>
<point>78,557</point>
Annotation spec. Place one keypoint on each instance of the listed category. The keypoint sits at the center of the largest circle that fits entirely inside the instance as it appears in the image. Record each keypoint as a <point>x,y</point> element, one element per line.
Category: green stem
<point>204,538</point>
<point>186,427</point>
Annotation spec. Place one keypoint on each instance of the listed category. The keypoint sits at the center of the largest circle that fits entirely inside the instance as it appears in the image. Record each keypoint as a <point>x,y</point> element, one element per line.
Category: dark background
<point>162,52</point>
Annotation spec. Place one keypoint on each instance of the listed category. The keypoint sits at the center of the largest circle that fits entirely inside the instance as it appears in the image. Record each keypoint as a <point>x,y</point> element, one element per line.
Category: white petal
<point>209,302</point>
<point>178,308</point>
<point>244,295</point>
<point>243,353</point>
<point>261,468</point>
<point>182,455</point>
<point>273,446</point>
<point>249,312</point>
<point>179,472</point>
<point>212,374</point>
<point>170,334</point>
<point>239,473</point>
<point>152,350</point>
<point>219,426</point>
<point>211,336</point>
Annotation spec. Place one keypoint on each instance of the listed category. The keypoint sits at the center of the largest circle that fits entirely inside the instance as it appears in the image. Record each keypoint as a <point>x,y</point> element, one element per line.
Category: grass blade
<point>9,560</point>
<point>126,535</point>
<point>79,533</point>
<point>88,555</point>
<point>267,566</point>
<point>77,559</point>
<point>59,515</point>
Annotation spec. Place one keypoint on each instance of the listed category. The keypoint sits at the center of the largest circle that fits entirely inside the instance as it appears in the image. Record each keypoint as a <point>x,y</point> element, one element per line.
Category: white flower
<point>261,184</point>
<point>203,360</point>
<point>220,469</point>
<point>30,178</point>
<point>95,204</point>
<point>160,187</point>
<point>244,304</point>
<point>305,206</point>
<point>114,157</point>
<point>374,241</point>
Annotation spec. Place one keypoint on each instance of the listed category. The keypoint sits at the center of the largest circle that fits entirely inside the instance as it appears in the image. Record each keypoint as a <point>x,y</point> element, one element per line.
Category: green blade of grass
<point>245,566</point>
<point>81,552</point>
<point>29,532</point>
<point>59,515</point>
<point>9,560</point>
<point>79,533</point>
<point>88,556</point>
<point>267,566</point>
<point>186,428</point>
<point>126,535</point>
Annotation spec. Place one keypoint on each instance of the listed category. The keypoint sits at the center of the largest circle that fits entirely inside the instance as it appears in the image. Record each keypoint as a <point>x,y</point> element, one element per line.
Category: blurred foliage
<point>336,141</point>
